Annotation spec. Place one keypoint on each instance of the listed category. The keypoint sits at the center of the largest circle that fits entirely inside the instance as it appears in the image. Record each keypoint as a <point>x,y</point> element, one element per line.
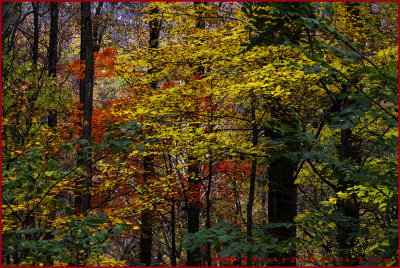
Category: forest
<point>199,134</point>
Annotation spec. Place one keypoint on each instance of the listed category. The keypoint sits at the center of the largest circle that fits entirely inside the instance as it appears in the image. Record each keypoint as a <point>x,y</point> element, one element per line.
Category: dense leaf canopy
<point>214,134</point>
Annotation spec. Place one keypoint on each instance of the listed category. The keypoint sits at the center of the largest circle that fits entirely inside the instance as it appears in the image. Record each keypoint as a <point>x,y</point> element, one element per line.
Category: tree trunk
<point>35,45</point>
<point>148,161</point>
<point>86,97</point>
<point>282,192</point>
<point>146,234</point>
<point>282,195</point>
<point>253,175</point>
<point>193,209</point>
<point>173,234</point>
<point>348,207</point>
<point>208,191</point>
<point>208,207</point>
<point>263,201</point>
<point>194,184</point>
<point>52,117</point>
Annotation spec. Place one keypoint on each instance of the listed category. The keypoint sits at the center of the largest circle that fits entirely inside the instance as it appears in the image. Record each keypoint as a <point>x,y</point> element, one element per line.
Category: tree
<point>193,134</point>
<point>52,118</point>
<point>347,220</point>
<point>148,161</point>
<point>86,98</point>
<point>194,203</point>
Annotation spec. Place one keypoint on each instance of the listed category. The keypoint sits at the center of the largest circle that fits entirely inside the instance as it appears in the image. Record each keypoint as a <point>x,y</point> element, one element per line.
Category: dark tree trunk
<point>146,239</point>
<point>86,97</point>
<point>53,39</point>
<point>173,255</point>
<point>52,118</point>
<point>209,185</point>
<point>52,68</point>
<point>194,184</point>
<point>173,234</point>
<point>263,201</point>
<point>208,208</point>
<point>193,209</point>
<point>154,34</point>
<point>253,175</point>
<point>347,207</point>
<point>282,193</point>
<point>35,45</point>
<point>282,198</point>
<point>238,210</point>
<point>146,234</point>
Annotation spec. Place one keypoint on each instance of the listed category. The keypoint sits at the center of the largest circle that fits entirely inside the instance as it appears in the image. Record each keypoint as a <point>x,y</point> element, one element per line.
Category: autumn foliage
<point>245,133</point>
<point>104,65</point>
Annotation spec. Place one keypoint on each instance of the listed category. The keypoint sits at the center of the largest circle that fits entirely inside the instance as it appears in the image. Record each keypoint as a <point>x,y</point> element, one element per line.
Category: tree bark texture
<point>86,97</point>
<point>146,238</point>
<point>282,192</point>
<point>52,56</point>
<point>253,176</point>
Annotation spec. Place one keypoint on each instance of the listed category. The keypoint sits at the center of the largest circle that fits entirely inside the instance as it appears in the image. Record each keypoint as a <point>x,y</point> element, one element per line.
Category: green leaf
<point>346,125</point>
<point>49,173</point>
<point>317,69</point>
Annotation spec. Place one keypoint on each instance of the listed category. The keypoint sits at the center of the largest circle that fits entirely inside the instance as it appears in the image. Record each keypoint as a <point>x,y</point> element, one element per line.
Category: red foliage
<point>205,99</point>
<point>77,68</point>
<point>101,117</point>
<point>104,65</point>
<point>105,62</point>
<point>168,85</point>
<point>197,77</point>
